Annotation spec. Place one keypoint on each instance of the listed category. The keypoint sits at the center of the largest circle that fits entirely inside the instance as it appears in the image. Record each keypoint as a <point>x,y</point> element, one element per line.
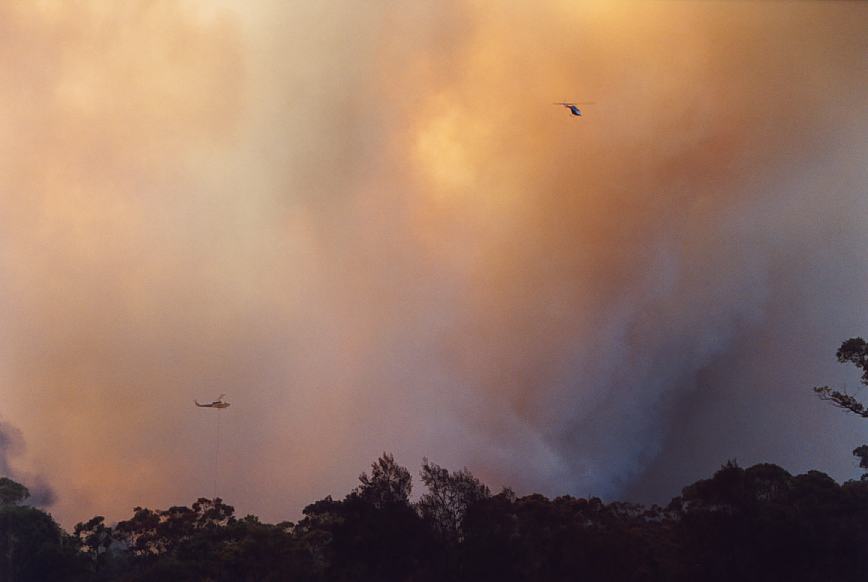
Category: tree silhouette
<point>449,497</point>
<point>854,351</point>
<point>95,538</point>
<point>861,453</point>
<point>33,547</point>
<point>750,524</point>
<point>388,484</point>
<point>12,493</point>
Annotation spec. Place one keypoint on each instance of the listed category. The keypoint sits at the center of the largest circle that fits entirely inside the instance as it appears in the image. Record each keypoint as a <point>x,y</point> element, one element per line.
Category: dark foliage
<point>449,497</point>
<point>12,493</point>
<point>853,351</point>
<point>33,548</point>
<point>759,523</point>
<point>754,524</point>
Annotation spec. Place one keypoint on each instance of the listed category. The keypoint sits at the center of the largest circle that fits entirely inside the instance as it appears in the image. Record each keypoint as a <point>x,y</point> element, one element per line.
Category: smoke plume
<point>370,228</point>
<point>12,445</point>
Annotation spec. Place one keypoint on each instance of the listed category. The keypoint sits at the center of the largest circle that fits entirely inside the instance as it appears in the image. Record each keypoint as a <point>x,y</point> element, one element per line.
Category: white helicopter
<point>219,403</point>
<point>574,107</point>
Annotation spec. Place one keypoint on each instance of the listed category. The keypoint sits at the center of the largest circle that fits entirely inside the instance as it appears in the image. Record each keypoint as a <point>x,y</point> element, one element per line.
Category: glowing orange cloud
<point>372,230</point>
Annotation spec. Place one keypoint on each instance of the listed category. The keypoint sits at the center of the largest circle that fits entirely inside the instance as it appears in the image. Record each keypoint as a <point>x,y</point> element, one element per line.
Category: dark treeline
<point>758,523</point>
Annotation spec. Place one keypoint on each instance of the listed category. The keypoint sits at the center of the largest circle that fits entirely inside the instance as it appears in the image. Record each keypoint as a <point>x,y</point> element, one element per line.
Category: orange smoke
<point>373,231</point>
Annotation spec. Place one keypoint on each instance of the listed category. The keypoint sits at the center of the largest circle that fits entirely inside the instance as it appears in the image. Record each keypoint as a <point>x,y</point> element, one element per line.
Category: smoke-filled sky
<point>369,227</point>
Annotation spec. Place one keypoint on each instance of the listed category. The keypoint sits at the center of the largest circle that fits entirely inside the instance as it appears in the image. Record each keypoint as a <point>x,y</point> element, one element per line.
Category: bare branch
<point>841,400</point>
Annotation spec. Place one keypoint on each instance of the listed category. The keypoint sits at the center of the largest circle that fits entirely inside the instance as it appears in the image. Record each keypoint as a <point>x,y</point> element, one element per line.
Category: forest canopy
<point>757,523</point>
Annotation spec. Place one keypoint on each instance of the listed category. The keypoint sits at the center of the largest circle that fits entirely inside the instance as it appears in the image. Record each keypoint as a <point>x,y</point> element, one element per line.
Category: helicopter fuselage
<point>217,404</point>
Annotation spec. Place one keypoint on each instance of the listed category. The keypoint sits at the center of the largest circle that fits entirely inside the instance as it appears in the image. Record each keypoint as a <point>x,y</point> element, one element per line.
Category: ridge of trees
<point>755,523</point>
<point>747,524</point>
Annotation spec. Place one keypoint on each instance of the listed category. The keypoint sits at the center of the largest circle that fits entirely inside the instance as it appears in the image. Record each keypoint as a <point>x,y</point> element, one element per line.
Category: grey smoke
<point>12,445</point>
<point>370,228</point>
